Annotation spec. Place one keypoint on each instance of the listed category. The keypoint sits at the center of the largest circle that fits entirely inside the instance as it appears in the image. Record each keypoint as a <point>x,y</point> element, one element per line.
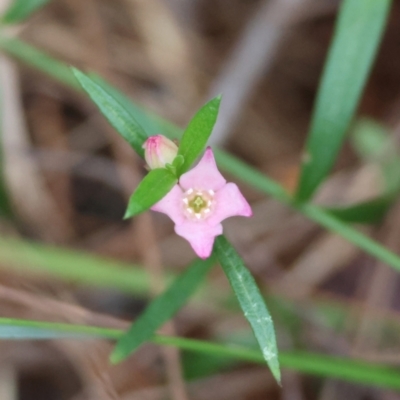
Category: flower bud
<point>159,151</point>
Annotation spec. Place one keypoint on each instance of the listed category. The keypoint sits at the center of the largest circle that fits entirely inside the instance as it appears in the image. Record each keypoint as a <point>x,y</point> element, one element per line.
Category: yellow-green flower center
<point>198,204</point>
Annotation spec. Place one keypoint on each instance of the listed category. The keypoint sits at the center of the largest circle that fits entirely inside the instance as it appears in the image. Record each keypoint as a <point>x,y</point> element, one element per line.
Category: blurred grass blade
<point>357,35</point>
<point>19,10</point>
<point>161,309</point>
<point>118,116</point>
<point>27,329</point>
<point>152,188</point>
<point>310,363</point>
<point>367,212</point>
<point>198,131</point>
<point>5,206</point>
<point>35,58</point>
<point>72,266</point>
<point>251,302</point>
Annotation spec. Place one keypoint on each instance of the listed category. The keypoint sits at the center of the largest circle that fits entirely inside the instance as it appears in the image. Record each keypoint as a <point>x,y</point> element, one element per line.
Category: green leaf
<point>198,131</point>
<point>72,266</point>
<point>367,212</point>
<point>153,187</point>
<point>161,309</point>
<point>21,9</point>
<point>355,371</point>
<point>250,301</point>
<point>5,205</point>
<point>357,35</point>
<point>118,116</point>
<point>144,118</point>
<point>39,60</point>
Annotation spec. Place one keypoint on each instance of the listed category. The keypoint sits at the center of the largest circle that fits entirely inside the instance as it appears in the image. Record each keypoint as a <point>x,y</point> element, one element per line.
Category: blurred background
<point>68,176</point>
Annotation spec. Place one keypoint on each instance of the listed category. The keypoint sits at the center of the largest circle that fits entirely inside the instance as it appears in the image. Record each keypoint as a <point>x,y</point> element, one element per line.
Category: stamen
<point>198,204</point>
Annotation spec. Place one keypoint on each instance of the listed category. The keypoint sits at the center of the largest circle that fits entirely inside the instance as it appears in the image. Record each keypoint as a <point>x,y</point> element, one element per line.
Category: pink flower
<point>200,201</point>
<point>159,151</point>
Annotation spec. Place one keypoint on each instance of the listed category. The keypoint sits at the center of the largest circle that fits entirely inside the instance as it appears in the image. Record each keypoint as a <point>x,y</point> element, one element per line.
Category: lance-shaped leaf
<point>118,116</point>
<point>161,309</point>
<point>198,131</point>
<point>22,9</point>
<point>250,301</point>
<point>153,187</point>
<point>357,35</point>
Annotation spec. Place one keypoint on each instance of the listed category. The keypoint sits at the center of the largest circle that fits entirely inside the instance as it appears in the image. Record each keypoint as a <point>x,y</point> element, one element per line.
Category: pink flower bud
<point>159,151</point>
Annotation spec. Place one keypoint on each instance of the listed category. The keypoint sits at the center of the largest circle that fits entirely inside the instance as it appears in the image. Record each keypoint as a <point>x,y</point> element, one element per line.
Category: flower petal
<point>200,236</point>
<point>228,203</point>
<point>204,175</point>
<point>171,204</point>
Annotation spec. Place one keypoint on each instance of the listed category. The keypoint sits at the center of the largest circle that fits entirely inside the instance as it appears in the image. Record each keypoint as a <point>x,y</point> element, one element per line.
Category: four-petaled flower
<point>200,201</point>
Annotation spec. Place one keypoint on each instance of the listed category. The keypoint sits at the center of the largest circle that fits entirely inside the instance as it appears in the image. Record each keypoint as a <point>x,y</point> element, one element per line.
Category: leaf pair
<point>158,182</point>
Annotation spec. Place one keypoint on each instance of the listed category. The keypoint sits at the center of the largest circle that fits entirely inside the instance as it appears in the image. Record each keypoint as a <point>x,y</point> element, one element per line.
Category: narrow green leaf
<point>367,212</point>
<point>357,35</point>
<point>144,118</point>
<point>355,371</point>
<point>118,116</point>
<point>19,10</point>
<point>198,131</point>
<point>153,187</point>
<point>251,302</point>
<point>5,205</point>
<point>161,309</point>
<point>39,60</point>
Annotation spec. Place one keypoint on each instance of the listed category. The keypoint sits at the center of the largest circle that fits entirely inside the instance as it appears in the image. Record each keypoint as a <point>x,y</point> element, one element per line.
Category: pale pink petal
<point>228,203</point>
<point>199,235</point>
<point>171,204</point>
<point>204,175</point>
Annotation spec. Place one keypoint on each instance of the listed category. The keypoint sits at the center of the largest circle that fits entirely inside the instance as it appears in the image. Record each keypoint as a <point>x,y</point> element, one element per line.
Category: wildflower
<point>159,151</point>
<point>200,201</point>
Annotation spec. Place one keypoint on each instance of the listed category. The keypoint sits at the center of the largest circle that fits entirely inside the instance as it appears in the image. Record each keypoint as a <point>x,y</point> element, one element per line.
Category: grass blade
<point>251,302</point>
<point>39,60</point>
<point>73,266</point>
<point>118,116</point>
<point>5,206</point>
<point>355,371</point>
<point>153,187</point>
<point>19,10</point>
<point>161,309</point>
<point>357,35</point>
<point>367,212</point>
<point>198,131</point>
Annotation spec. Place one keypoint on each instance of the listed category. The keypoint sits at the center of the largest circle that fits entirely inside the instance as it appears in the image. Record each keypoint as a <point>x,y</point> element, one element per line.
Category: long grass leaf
<point>349,370</point>
<point>72,266</point>
<point>357,35</point>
